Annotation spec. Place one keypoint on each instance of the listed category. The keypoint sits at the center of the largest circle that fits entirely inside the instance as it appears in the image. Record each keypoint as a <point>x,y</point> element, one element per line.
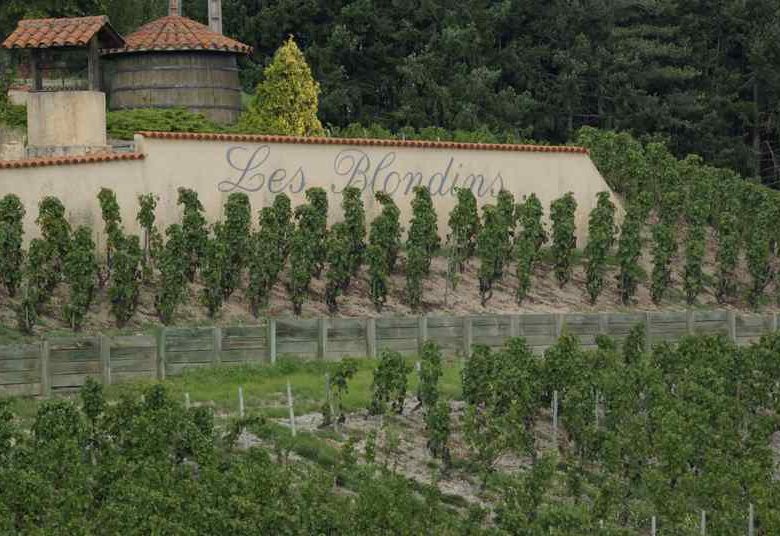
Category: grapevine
<point>152,243</point>
<point>126,281</point>
<point>430,372</point>
<point>316,224</point>
<point>235,235</point>
<point>215,262</point>
<point>562,215</point>
<point>112,220</point>
<point>11,232</point>
<point>266,259</point>
<point>194,231</point>
<point>81,274</point>
<point>490,250</point>
<point>664,245</point>
<point>55,229</point>
<point>377,276</point>
<point>339,249</point>
<point>464,228</point>
<point>174,264</point>
<point>423,229</point>
<point>355,220</point>
<point>389,385</point>
<point>601,237</point>
<point>630,248</point>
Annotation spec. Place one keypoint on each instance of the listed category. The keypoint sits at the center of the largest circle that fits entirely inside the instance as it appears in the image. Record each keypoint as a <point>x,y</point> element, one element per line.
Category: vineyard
<point>611,440</point>
<point>691,235</point>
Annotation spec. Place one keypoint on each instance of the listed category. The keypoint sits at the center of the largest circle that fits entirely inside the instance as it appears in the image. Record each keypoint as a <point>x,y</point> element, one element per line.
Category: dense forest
<point>698,74</point>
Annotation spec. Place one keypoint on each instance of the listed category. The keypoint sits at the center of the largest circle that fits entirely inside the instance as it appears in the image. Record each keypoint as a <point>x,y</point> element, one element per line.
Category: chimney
<point>173,8</point>
<point>215,16</point>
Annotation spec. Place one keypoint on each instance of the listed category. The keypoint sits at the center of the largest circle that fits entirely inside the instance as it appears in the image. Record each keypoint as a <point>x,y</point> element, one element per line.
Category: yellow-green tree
<point>286,101</point>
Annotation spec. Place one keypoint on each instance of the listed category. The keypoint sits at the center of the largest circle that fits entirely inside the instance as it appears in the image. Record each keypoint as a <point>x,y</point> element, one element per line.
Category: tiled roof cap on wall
<point>69,160</point>
<point>175,32</point>
<point>65,32</point>
<point>257,138</point>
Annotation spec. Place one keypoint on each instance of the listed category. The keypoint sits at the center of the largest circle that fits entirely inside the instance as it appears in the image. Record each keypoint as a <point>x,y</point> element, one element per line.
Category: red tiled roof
<point>72,32</point>
<point>68,160</point>
<point>258,138</point>
<point>175,32</point>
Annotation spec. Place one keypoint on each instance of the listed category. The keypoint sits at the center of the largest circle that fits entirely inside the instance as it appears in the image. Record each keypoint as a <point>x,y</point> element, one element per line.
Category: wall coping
<point>70,160</point>
<point>418,144</point>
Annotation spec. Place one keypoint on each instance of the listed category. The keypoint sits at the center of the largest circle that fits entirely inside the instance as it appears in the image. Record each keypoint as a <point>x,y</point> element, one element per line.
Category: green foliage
<point>194,230</point>
<point>112,220</point>
<point>235,234</point>
<point>339,247</point>
<point>389,385</point>
<point>727,257</point>
<point>11,233</point>
<point>423,229</point>
<point>80,272</point>
<point>152,241</point>
<point>355,220</point>
<point>601,238</point>
<point>268,251</point>
<point>173,266</point>
<point>438,425</point>
<point>491,250</point>
<point>302,263</point>
<point>284,222</point>
<point>697,212</point>
<point>338,386</point>
<point>464,228</point>
<point>55,229</point>
<point>124,124</point>
<point>430,372</point>
<point>126,281</point>
<point>315,224</point>
<point>505,205</point>
<point>286,101</point>
<point>377,275</point>
<point>564,240</point>
<point>528,244</point>
<point>630,248</point>
<point>41,275</point>
<point>216,261</point>
<point>664,245</point>
<point>758,249</point>
<point>416,261</point>
<point>386,230</point>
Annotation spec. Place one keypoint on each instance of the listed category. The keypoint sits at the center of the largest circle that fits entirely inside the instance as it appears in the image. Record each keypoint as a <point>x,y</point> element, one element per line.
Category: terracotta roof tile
<point>258,138</point>
<point>175,32</point>
<point>47,33</point>
<point>68,160</point>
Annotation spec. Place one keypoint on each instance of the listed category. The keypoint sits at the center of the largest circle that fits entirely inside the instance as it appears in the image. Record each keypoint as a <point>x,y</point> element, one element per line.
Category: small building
<point>176,62</point>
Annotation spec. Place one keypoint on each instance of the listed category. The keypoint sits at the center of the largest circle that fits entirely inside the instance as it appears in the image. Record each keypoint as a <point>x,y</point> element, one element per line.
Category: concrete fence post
<point>371,338</point>
<point>162,334</point>
<point>422,332</point>
<point>560,322</point>
<point>105,359</point>
<point>514,326</point>
<point>45,368</point>
<point>216,345</point>
<point>648,331</point>
<point>271,338</point>
<point>468,336</point>
<point>731,320</point>
<point>322,338</point>
<point>603,323</point>
<point>689,321</point>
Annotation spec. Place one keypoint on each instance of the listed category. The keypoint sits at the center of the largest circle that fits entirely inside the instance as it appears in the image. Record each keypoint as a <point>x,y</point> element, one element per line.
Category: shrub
<point>126,282</point>
<point>564,241</point>
<point>80,273</point>
<point>386,230</point>
<point>377,276</point>
<point>438,425</point>
<point>430,372</point>
<point>41,273</point>
<point>284,222</point>
<point>302,263</point>
<point>423,229</point>
<point>55,229</point>
<point>490,250</point>
<point>174,263</point>
<point>112,220</point>
<point>11,234</point>
<point>416,261</point>
<point>235,235</point>
<point>664,245</point>
<point>355,221</point>
<point>216,261</point>
<point>505,205</point>
<point>267,259</point>
<point>464,228</point>
<point>601,237</point>
<point>124,124</point>
<point>194,231</point>
<point>315,223</point>
<point>338,386</point>
<point>630,248</point>
<point>389,385</point>
<point>339,249</point>
<point>529,242</point>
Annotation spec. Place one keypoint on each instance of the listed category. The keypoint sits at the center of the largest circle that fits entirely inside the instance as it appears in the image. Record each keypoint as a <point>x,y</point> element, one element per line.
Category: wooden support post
<point>161,336</point>
<point>689,320</point>
<point>45,368</point>
<point>187,400</point>
<point>514,326</point>
<point>94,64</point>
<point>105,359</point>
<point>468,336</point>
<point>271,339</point>
<point>648,331</point>
<point>216,346</point>
<point>703,524</point>
<point>422,333</point>
<point>731,319</point>
<point>371,338</point>
<point>322,338</point>
<point>603,323</point>
<point>652,526</point>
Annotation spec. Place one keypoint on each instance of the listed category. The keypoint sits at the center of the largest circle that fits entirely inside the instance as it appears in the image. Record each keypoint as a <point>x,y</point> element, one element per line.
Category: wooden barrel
<point>201,81</point>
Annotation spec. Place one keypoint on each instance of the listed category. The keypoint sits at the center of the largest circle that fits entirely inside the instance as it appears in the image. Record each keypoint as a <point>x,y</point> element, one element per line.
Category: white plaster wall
<point>215,168</point>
